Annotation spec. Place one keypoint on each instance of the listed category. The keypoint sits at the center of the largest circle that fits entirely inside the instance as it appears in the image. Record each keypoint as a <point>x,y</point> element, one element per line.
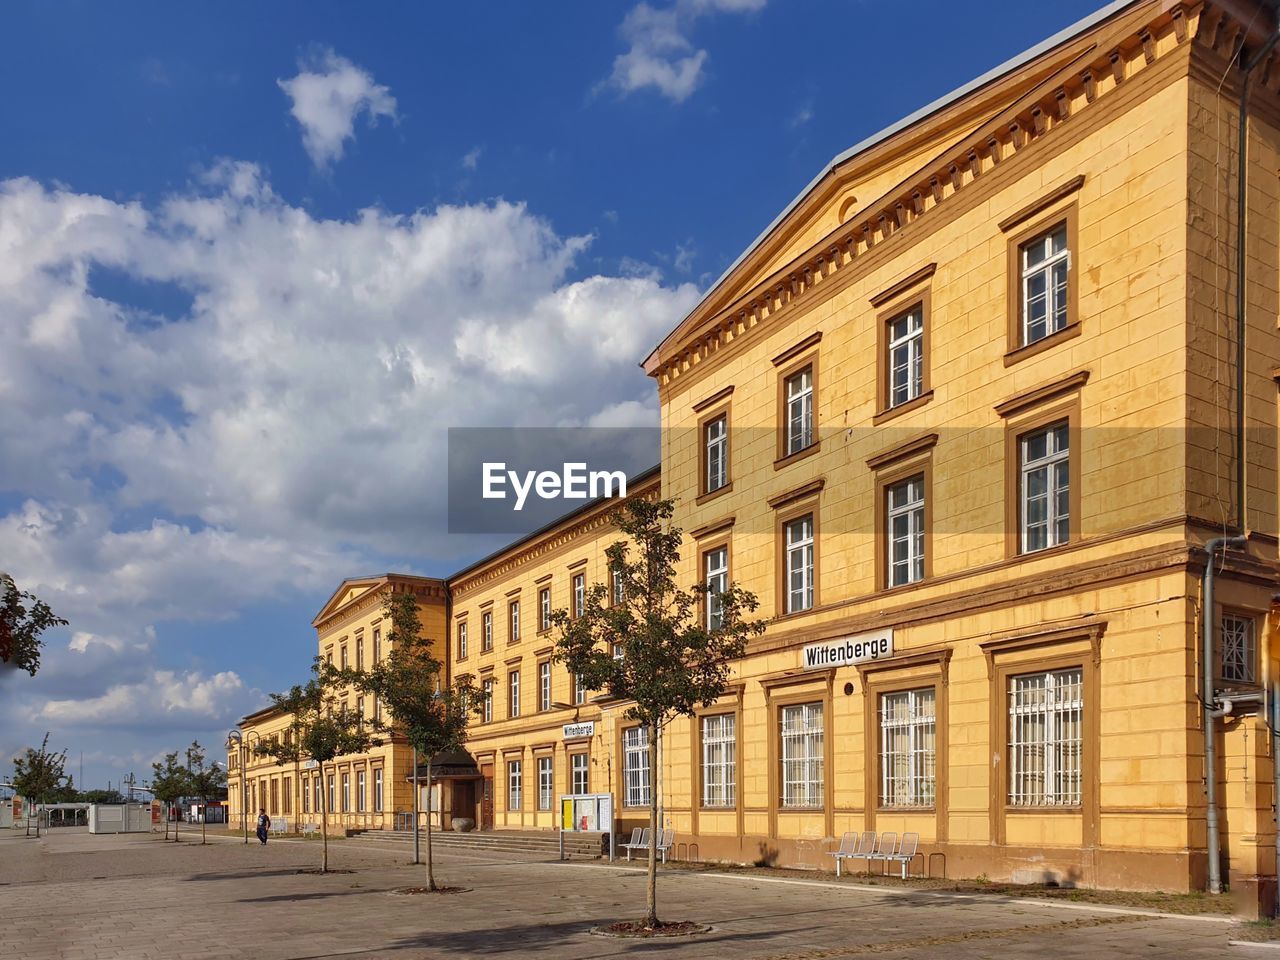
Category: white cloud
<point>471,159</point>
<point>660,53</point>
<point>163,696</point>
<point>328,94</point>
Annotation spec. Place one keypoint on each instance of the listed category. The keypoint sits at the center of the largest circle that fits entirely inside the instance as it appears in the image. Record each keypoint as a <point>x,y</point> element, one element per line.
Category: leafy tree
<point>23,618</point>
<point>169,783</point>
<point>320,729</point>
<point>204,781</point>
<point>40,775</point>
<point>653,646</point>
<point>408,681</point>
<point>100,796</point>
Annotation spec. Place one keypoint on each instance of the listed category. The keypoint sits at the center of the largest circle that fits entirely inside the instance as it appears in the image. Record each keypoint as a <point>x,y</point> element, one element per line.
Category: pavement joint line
<point>931,894</point>
<point>1254,943</point>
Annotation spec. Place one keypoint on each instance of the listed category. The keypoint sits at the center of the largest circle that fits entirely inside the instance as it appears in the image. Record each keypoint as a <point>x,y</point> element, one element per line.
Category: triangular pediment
<point>348,592</point>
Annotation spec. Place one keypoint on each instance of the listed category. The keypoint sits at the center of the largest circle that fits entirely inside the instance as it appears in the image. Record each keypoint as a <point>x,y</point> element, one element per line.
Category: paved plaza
<point>71,895</point>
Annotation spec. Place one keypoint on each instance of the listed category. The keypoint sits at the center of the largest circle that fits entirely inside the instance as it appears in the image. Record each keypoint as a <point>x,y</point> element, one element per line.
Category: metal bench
<point>886,847</point>
<point>666,841</point>
<point>854,846</point>
<point>639,841</point>
<point>309,828</point>
<point>905,853</point>
<point>280,825</point>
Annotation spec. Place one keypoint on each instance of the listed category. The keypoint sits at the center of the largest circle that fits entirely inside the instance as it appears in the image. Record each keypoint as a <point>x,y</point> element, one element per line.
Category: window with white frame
<point>579,689</point>
<point>906,356</point>
<point>515,774</point>
<point>1045,470</point>
<point>799,413</point>
<point>360,652</point>
<point>513,693</point>
<point>346,793</point>
<point>544,608</point>
<point>1239,649</point>
<point>908,748</point>
<point>361,795</point>
<point>462,640</point>
<point>802,755</point>
<point>544,685</point>
<point>319,794</point>
<point>514,610</point>
<point>579,594</point>
<point>617,586</point>
<point>799,560</point>
<point>904,506</point>
<point>635,766</point>
<point>306,794</point>
<point>377,644</point>
<point>1046,719</point>
<point>377,710</point>
<point>488,699</point>
<point>719,760</point>
<point>377,790</point>
<point>486,630</point>
<point>333,794</point>
<point>715,438</point>
<point>580,773</point>
<point>1045,263</point>
<point>545,783</point>
<point>716,571</point>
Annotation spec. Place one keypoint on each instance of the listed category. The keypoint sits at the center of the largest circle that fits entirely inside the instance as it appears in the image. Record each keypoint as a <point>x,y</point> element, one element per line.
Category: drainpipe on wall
<point>1210,714</point>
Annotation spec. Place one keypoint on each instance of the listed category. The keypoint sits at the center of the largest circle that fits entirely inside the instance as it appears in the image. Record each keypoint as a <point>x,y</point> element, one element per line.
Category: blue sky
<point>254,258</point>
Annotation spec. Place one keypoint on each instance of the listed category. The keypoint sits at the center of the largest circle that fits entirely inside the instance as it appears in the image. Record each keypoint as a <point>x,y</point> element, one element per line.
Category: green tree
<point>169,784</point>
<point>320,729</point>
<point>23,618</point>
<point>205,781</point>
<point>100,796</point>
<point>652,645</point>
<point>418,705</point>
<point>40,776</point>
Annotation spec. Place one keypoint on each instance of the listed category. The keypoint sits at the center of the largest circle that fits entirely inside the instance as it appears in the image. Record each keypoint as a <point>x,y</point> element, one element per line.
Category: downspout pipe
<point>1242,182</point>
<point>1209,713</point>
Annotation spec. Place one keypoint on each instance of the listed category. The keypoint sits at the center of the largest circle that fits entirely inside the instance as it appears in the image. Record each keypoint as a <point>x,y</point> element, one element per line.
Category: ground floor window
<point>346,793</point>
<point>306,794</point>
<point>1046,714</point>
<point>908,748</point>
<point>579,773</point>
<point>377,791</point>
<point>545,783</point>
<point>287,794</point>
<point>635,752</point>
<point>333,793</point>
<point>361,785</point>
<point>719,760</point>
<point>802,755</point>
<point>318,795</point>
<point>514,776</point>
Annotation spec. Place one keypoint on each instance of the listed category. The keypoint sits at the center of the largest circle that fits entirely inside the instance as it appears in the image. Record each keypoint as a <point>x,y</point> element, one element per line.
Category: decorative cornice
<point>1087,628</point>
<point>902,451</point>
<point>715,526</point>
<point>797,493</point>
<point>812,340</point>
<point>713,399</point>
<point>1042,394</point>
<point>903,285</point>
<point>1043,203</point>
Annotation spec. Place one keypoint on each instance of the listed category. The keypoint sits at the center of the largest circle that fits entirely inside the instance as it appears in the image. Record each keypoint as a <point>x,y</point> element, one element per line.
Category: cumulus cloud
<point>328,94</point>
<point>660,53</point>
<point>177,700</point>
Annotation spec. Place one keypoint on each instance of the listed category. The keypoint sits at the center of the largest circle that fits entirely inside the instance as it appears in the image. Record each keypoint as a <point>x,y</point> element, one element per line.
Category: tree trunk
<point>204,822</point>
<point>651,884</point>
<point>176,820</point>
<point>164,815</point>
<point>324,822</point>
<point>431,875</point>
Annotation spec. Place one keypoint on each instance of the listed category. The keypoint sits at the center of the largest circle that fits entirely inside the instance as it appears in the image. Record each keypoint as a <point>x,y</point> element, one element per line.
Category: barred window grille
<point>1239,650</point>
<point>1046,715</point>
<point>719,760</point>
<point>514,775</point>
<point>802,755</point>
<point>544,783</point>
<point>908,748</point>
<point>717,573</point>
<point>906,357</point>
<point>635,747</point>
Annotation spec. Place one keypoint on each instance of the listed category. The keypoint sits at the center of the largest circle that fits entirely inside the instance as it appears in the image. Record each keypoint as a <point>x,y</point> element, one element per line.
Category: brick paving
<point>79,897</point>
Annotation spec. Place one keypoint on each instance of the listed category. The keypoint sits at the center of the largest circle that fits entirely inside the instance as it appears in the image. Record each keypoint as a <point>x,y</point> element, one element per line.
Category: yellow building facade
<point>963,419</point>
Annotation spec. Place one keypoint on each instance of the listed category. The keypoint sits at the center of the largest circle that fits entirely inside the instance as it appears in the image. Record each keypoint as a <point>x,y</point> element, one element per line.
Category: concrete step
<point>495,843</point>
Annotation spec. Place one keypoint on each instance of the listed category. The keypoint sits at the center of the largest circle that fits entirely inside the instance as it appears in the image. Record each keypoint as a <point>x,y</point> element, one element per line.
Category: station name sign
<point>575,731</point>
<point>848,650</point>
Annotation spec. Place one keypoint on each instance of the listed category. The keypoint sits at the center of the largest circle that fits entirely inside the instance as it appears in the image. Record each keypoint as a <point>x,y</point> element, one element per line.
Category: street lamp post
<point>235,737</point>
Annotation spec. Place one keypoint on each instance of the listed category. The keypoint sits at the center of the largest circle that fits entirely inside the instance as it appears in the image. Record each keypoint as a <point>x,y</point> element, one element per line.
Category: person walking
<point>264,824</point>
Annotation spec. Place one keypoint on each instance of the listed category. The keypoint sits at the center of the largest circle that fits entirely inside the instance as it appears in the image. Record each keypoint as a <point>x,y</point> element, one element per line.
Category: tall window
<point>486,631</point>
<point>377,644</point>
<point>904,503</point>
<point>377,790</point>
<point>1239,650</point>
<point>802,755</point>
<point>361,786</point>
<point>514,776</point>
<point>579,689</point>
<point>488,699</point>
<point>544,685</point>
<point>306,794</point>
<point>377,710</point>
<point>319,797</point>
<point>1045,262</point>
<point>906,356</point>
<point>462,640</point>
<point>360,653</point>
<point>544,608</point>
<point>333,794</point>
<point>799,412</point>
<point>286,794</point>
<point>1046,714</point>
<point>579,594</point>
<point>617,586</point>
<point>715,438</point>
<point>346,793</point>
<point>360,711</point>
<point>908,749</point>
<point>799,559</point>
<point>343,660</point>
<point>580,773</point>
<point>716,570</point>
<point>514,610</point>
<point>545,783</point>
<point>635,760</point>
<point>1045,488</point>
<point>513,693</point>
<point>719,761</point>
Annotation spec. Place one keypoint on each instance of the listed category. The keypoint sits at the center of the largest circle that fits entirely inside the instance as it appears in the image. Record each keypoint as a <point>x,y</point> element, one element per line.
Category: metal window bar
<point>719,754</point>
<point>802,755</point>
<point>1238,650</point>
<point>1046,716</point>
<point>908,748</point>
<point>1045,264</point>
<point>636,766</point>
